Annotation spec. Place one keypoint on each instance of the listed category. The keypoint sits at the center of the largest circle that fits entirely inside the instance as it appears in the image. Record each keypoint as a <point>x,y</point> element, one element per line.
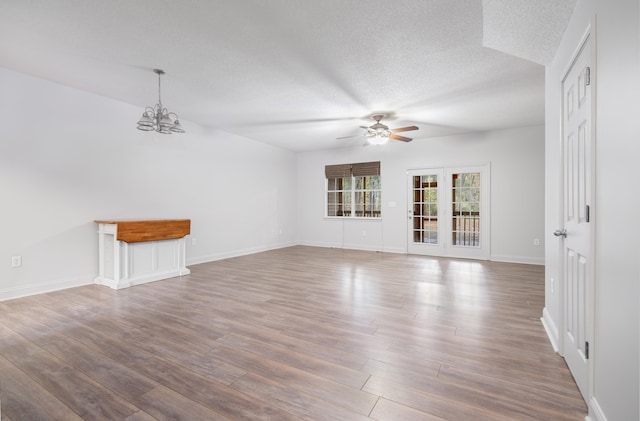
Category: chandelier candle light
<point>158,118</point>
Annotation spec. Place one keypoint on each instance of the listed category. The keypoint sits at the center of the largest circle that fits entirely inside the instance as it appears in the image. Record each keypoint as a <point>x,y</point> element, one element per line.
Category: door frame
<point>589,35</point>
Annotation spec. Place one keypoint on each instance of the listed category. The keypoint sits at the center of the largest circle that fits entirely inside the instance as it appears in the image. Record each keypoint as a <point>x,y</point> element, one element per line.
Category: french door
<point>448,212</point>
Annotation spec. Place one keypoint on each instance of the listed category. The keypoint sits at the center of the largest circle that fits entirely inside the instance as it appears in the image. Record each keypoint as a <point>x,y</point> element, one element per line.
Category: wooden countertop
<point>139,230</point>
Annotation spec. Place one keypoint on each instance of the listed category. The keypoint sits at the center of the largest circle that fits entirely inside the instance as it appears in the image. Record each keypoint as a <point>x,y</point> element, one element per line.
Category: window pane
<point>417,196</point>
<point>433,209</point>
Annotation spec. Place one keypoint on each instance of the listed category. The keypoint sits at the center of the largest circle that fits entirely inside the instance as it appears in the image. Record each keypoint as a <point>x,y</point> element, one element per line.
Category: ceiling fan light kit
<point>379,134</point>
<point>158,118</point>
<point>377,141</point>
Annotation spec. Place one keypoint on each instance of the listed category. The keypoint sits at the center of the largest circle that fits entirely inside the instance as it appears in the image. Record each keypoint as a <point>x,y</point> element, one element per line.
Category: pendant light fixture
<point>158,118</point>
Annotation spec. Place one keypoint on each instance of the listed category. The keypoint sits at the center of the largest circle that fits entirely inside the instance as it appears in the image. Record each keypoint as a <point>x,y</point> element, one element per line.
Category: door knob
<point>560,233</point>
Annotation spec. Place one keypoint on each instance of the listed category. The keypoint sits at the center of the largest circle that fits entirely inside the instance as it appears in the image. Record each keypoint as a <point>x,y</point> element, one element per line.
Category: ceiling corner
<point>528,29</point>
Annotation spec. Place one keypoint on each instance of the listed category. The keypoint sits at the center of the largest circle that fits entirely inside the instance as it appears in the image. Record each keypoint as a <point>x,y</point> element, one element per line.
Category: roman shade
<point>365,169</point>
<point>356,170</point>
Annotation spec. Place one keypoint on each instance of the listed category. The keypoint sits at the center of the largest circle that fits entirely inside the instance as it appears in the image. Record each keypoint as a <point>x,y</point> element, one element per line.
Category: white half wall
<point>68,157</point>
<point>516,157</point>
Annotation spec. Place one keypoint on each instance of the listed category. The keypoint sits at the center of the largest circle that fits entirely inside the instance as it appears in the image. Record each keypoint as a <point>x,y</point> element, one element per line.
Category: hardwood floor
<point>297,333</point>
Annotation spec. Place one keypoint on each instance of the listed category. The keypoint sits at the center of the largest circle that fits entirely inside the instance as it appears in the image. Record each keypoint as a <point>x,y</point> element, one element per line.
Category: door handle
<point>560,233</point>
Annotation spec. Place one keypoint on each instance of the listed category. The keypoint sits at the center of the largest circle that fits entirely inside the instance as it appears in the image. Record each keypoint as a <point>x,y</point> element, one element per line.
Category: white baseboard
<point>354,247</point>
<point>595,412</point>
<point>143,279</point>
<point>552,330</point>
<point>365,247</point>
<point>41,288</point>
<point>236,253</point>
<point>32,289</point>
<point>56,285</point>
<point>517,259</point>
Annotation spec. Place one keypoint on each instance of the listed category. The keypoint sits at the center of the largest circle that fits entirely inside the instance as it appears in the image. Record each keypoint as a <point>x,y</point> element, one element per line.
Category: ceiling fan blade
<point>404,129</point>
<point>402,138</point>
<point>349,137</point>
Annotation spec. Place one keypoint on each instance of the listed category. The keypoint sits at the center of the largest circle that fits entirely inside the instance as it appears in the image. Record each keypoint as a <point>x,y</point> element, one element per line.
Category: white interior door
<point>448,212</point>
<point>576,235</point>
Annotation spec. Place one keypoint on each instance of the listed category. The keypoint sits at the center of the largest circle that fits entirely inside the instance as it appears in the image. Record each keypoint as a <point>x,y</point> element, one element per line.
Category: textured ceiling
<point>535,28</point>
<point>295,73</point>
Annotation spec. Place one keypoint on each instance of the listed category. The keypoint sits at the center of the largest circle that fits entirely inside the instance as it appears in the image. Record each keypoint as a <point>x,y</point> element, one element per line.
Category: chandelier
<point>158,118</point>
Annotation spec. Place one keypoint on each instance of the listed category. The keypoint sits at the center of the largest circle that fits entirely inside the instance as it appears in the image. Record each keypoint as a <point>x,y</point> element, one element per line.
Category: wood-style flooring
<point>296,333</point>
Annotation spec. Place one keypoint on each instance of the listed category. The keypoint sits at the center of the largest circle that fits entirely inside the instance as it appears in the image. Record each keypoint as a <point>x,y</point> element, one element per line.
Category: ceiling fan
<point>379,134</point>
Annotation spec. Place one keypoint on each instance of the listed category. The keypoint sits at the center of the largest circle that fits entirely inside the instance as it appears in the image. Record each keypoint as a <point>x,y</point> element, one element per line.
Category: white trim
<point>517,259</point>
<point>237,253</point>
<point>359,247</point>
<point>354,218</point>
<point>138,280</point>
<point>56,285</point>
<point>401,250</point>
<point>47,286</point>
<point>551,329</point>
<point>595,411</point>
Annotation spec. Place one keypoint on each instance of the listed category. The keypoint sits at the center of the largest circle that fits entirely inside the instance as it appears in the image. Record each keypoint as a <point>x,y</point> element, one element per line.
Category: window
<point>353,190</point>
<point>339,196</point>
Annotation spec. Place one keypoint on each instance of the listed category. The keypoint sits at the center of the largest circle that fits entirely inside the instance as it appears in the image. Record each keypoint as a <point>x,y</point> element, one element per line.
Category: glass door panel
<point>465,205</point>
<point>425,211</point>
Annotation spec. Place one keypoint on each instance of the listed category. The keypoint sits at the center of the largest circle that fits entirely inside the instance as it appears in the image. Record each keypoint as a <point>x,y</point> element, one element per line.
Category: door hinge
<point>587,76</point>
<point>586,350</point>
<point>586,211</point>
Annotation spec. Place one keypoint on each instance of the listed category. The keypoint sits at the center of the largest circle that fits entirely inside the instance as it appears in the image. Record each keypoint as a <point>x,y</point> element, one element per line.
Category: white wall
<point>69,157</point>
<point>616,351</point>
<point>517,190</point>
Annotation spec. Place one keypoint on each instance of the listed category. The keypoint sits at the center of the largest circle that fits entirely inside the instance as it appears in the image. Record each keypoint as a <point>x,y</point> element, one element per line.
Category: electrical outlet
<point>16,261</point>
<point>536,241</point>
<point>364,233</point>
<point>553,285</point>
<point>193,241</point>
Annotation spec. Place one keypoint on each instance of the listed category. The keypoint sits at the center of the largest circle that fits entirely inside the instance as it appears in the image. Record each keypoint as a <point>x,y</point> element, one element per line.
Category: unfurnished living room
<point>319,210</point>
